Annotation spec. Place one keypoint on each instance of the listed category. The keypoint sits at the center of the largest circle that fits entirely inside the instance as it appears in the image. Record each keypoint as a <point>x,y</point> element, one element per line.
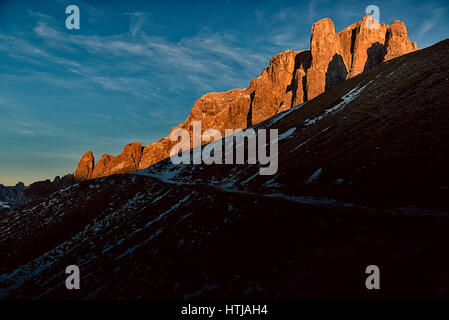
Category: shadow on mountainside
<point>336,71</point>
<point>376,54</point>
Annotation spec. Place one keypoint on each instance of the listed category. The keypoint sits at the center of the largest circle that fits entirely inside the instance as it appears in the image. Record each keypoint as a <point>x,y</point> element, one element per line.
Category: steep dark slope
<point>151,240</point>
<point>221,231</point>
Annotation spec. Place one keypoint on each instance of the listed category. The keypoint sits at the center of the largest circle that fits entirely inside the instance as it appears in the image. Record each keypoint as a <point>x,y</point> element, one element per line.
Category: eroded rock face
<point>291,78</point>
<point>128,160</point>
<point>397,42</point>
<point>353,50</point>
<point>85,167</point>
<point>101,169</point>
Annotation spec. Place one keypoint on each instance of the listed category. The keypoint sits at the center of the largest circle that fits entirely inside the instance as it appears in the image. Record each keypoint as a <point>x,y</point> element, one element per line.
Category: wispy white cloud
<point>312,11</point>
<point>426,26</point>
<point>286,28</point>
<point>137,21</point>
<point>22,152</point>
<point>427,29</point>
<point>195,56</point>
<point>29,127</point>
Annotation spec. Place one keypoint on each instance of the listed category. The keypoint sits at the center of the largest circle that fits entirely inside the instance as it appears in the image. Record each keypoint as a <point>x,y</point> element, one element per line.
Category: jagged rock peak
<point>127,161</point>
<point>85,167</point>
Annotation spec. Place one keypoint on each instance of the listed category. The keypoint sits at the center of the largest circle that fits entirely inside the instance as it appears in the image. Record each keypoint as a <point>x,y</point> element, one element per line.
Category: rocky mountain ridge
<point>9,195</point>
<point>19,195</point>
<point>292,77</point>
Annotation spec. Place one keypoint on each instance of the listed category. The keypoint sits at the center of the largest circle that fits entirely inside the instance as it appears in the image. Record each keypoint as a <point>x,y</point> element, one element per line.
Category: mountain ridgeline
<point>362,180</point>
<point>292,78</point>
<point>19,195</point>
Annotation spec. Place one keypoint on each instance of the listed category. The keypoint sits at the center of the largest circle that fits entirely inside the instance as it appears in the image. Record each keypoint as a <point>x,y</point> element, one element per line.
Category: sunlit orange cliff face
<point>291,78</point>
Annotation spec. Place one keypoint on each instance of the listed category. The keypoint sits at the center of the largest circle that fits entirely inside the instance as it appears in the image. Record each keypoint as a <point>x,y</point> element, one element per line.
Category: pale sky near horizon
<point>135,68</point>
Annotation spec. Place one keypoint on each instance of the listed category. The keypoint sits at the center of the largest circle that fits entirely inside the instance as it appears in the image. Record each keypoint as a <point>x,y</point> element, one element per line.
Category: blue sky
<point>135,68</point>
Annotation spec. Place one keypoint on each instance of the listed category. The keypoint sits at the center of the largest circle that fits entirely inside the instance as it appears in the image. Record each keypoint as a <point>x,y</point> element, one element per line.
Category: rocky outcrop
<point>127,161</point>
<point>397,42</point>
<point>291,78</point>
<point>361,46</point>
<point>102,166</point>
<point>85,167</point>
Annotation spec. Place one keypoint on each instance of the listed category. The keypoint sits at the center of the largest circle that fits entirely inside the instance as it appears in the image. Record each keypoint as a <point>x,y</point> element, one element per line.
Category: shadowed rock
<point>336,71</point>
<point>376,54</point>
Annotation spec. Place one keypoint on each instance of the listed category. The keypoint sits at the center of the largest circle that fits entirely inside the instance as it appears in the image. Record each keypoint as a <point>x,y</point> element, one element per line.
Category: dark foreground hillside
<point>362,180</point>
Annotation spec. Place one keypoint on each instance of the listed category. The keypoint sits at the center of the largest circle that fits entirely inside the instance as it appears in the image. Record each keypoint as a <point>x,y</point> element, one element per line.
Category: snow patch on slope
<point>347,98</point>
<point>4,205</point>
<point>314,176</point>
<point>287,134</point>
<point>280,116</point>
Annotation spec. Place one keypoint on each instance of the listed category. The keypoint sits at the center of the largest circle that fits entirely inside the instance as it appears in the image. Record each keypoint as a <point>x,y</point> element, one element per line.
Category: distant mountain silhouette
<point>19,195</point>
